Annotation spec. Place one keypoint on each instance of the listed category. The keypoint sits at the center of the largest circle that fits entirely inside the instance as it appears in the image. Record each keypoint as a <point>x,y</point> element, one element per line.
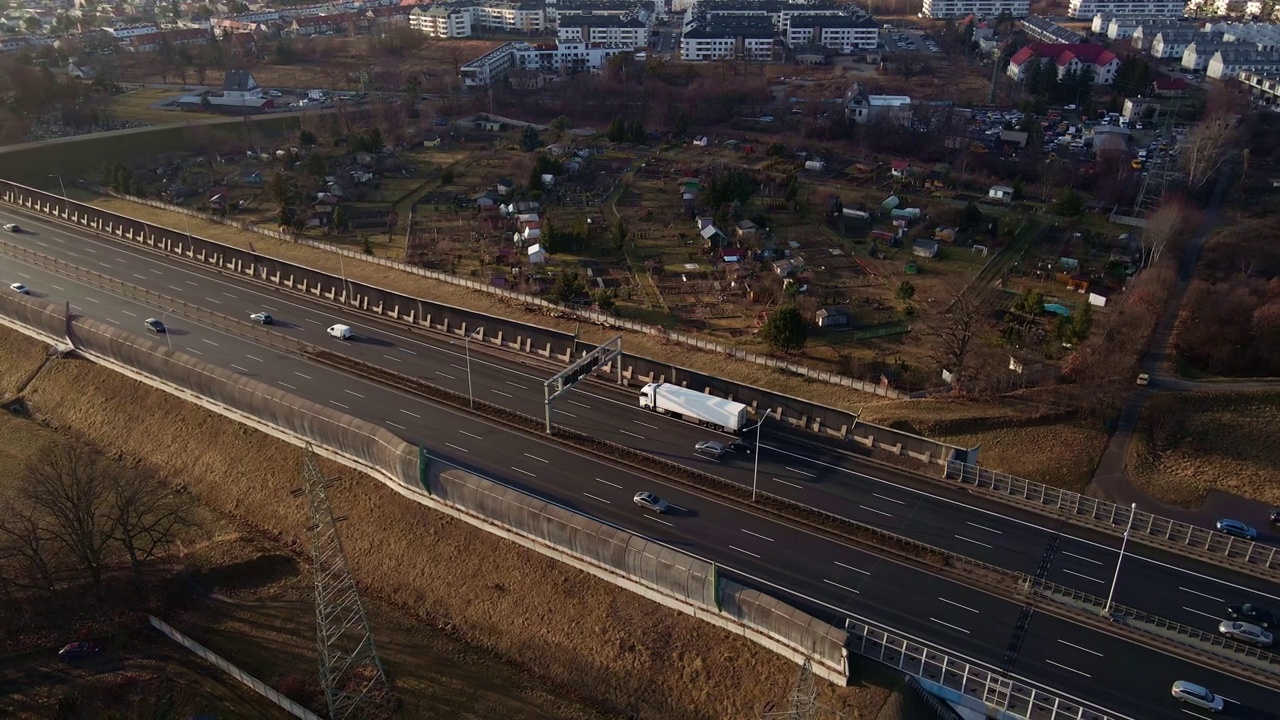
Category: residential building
<point>441,22</point>
<point>1222,8</point>
<point>128,31</point>
<point>1046,30</point>
<point>1170,44</point>
<point>490,67</point>
<point>844,33</point>
<point>151,42</point>
<point>748,38</point>
<point>560,10</point>
<point>862,107</point>
<point>1166,87</point>
<point>1229,62</point>
<point>1085,9</point>
<point>311,25</point>
<point>979,8</point>
<point>240,95</point>
<point>1145,34</point>
<point>1196,56</point>
<point>1261,35</point>
<point>1263,85</point>
<point>563,58</point>
<point>527,16</point>
<point>1102,63</point>
<point>716,29</point>
<point>622,30</point>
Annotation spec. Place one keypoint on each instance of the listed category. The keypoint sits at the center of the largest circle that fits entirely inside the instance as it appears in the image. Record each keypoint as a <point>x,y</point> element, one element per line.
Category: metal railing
<point>1164,533</point>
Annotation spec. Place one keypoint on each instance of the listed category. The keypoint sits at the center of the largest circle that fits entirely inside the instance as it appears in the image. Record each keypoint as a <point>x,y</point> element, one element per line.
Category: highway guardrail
<point>1145,629</point>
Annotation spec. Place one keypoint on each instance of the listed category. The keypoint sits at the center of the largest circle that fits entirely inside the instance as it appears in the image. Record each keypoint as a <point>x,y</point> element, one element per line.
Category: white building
<point>560,10</point>
<point>1227,63</point>
<point>980,8</point>
<point>1085,9</point>
<point>838,32</point>
<point>1220,8</point>
<point>524,16</point>
<point>1102,63</point>
<point>1197,55</point>
<point>128,31</point>
<point>863,108</point>
<point>1261,35</point>
<point>560,59</point>
<point>1264,86</point>
<point>715,29</point>
<point>627,31</point>
<point>1171,44</point>
<point>1145,34</point>
<point>441,22</point>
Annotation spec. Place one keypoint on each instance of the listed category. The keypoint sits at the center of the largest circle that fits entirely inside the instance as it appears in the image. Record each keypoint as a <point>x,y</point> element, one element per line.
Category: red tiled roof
<point>1062,53</point>
<point>1171,84</point>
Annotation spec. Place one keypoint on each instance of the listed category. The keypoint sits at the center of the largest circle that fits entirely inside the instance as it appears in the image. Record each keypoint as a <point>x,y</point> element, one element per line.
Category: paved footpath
<point>1109,479</point>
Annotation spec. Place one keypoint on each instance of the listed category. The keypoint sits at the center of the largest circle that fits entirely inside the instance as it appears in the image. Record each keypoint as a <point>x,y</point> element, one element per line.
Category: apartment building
<point>746,38</point>
<point>1264,86</point>
<point>1170,44</point>
<point>561,58</point>
<point>1221,8</point>
<point>1046,30</point>
<point>557,10</point>
<point>1086,56</point>
<point>1145,34</point>
<point>1263,36</point>
<point>1085,9</point>
<point>1197,55</point>
<point>843,33</point>
<point>943,9</point>
<point>441,22</point>
<point>128,31</point>
<point>1228,63</point>
<point>623,31</point>
<point>715,29</point>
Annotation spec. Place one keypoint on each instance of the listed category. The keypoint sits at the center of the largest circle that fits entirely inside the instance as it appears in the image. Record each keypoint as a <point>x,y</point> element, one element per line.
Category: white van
<point>342,332</point>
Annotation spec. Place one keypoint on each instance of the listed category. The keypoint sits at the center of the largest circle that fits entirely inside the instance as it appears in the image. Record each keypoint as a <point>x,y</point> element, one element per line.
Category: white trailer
<point>706,410</point>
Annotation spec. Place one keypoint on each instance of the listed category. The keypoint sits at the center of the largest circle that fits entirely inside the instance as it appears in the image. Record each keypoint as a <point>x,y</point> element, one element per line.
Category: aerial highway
<point>823,576</point>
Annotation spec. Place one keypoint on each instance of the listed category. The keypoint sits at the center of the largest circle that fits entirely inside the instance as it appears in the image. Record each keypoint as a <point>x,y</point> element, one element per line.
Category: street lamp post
<point>1133,510</point>
<point>466,346</point>
<point>755,473</point>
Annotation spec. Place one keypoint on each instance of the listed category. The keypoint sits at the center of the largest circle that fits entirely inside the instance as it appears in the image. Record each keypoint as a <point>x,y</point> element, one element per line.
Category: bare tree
<point>1206,149</point>
<point>1164,226</point>
<point>147,516</point>
<point>953,339</point>
<point>27,547</point>
<point>69,485</point>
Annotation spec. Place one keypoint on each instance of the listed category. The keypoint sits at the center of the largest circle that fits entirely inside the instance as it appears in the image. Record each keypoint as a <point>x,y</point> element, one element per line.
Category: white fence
<point>217,660</point>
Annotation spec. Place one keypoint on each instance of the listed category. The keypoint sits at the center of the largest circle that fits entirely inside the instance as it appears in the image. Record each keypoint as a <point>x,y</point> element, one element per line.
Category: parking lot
<point>910,39</point>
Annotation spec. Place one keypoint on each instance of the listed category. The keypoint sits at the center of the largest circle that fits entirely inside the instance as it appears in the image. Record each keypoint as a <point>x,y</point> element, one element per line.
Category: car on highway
<point>1235,528</point>
<point>20,289</point>
<point>262,318</point>
<point>709,448</point>
<point>649,501</point>
<point>742,447</point>
<point>154,325</point>
<point>12,227</point>
<point>1245,632</point>
<point>77,650</point>
<point>1196,695</point>
<point>1256,614</point>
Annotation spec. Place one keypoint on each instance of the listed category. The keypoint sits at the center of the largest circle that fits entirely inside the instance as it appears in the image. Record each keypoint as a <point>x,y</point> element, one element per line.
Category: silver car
<point>1193,694</point>
<point>1245,632</point>
<point>710,448</point>
<point>649,501</point>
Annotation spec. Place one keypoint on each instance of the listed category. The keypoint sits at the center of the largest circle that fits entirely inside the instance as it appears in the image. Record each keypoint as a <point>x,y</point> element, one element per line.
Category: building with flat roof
<point>1264,85</point>
<point>1085,9</point>
<point>440,21</point>
<point>624,30</point>
<point>563,58</point>
<point>944,9</point>
<point>715,29</point>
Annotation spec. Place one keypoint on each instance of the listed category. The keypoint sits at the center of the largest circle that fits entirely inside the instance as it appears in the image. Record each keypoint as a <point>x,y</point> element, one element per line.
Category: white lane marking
<point>395,425</point>
<point>1064,667</point>
<point>664,522</point>
<point>1093,652</point>
<point>90,297</point>
<point>24,275</point>
<point>784,482</point>
<point>1215,618</point>
<point>113,320</point>
<point>126,312</point>
<point>157,272</point>
<point>1195,592</point>
<point>408,351</point>
<point>288,386</point>
<point>243,370</point>
<point>595,497</point>
<point>762,537</point>
<point>502,393</point>
<point>446,375</point>
<point>575,402</point>
<point>962,607</point>
<point>983,527</point>
<point>392,357</point>
<point>459,367</point>
<point>192,350</point>
<point>745,552</point>
<point>212,300</point>
<point>95,252</point>
<point>254,358</point>
<point>563,412</point>
<point>799,471</point>
<point>295,372</point>
<point>975,542</point>
<point>655,427</point>
<point>606,482</point>
<point>624,432</point>
<point>464,432</point>
<point>522,387</point>
<point>850,567</point>
<point>406,412</point>
<point>140,277</point>
<point>535,457</point>
<point>228,294</point>
<point>312,320</point>
<point>41,244</point>
<point>953,627</point>
<point>1224,697</point>
<point>175,287</point>
<point>55,287</point>
<point>353,392</point>
<point>209,341</point>
<point>886,497</point>
<point>455,447</point>
<point>104,265</point>
<point>526,472</point>
<point>879,512</point>
<point>1086,577</point>
<point>1081,557</point>
<point>335,402</point>
<point>842,587</point>
<point>191,282</point>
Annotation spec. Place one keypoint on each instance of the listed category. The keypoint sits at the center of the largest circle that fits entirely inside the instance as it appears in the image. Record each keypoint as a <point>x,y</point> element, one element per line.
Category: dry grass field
<point>1189,444</point>
<point>137,105</point>
<point>573,636</point>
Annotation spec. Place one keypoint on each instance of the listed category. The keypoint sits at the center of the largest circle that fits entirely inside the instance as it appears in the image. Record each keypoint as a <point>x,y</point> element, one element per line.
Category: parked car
<point>19,288</point>
<point>12,227</point>
<point>154,326</point>
<point>1255,614</point>
<point>1245,632</point>
<point>1275,516</point>
<point>77,650</point>
<point>649,501</point>
<point>1235,528</point>
<point>710,448</point>
<point>1196,695</point>
<point>1144,379</point>
<point>262,318</point>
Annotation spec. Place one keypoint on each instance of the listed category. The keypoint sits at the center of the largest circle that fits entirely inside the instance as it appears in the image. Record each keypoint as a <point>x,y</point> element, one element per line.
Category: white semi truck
<point>694,406</point>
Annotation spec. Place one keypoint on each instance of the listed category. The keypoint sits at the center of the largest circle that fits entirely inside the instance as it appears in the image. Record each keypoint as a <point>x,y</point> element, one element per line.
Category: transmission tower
<point>804,698</point>
<point>1161,170</point>
<point>351,675</point>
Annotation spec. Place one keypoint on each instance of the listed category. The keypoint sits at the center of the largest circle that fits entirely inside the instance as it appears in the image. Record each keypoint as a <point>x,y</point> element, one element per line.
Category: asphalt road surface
<point>824,576</point>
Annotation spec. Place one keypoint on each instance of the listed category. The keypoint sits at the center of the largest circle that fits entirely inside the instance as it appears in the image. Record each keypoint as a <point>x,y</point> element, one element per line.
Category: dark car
<point>1255,614</point>
<point>77,650</point>
<point>154,325</point>
<point>1275,516</point>
<point>742,447</point>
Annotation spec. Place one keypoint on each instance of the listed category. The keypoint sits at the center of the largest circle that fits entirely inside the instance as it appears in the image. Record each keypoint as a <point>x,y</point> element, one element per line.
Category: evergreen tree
<point>785,329</point>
